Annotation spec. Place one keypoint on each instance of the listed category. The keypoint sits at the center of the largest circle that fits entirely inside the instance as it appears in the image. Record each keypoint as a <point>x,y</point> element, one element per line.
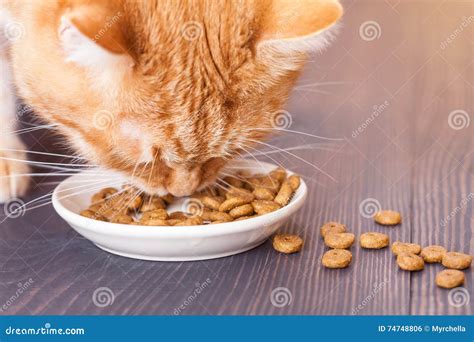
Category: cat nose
<point>183,181</point>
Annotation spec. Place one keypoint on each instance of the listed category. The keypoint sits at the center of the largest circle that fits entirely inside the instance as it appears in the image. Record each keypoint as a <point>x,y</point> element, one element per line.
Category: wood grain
<point>407,157</point>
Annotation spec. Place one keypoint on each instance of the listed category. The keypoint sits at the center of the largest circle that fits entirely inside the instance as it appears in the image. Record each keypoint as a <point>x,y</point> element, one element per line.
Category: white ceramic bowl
<point>171,243</point>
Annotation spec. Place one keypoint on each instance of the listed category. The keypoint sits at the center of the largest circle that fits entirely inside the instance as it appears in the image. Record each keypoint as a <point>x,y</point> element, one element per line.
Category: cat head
<point>166,92</point>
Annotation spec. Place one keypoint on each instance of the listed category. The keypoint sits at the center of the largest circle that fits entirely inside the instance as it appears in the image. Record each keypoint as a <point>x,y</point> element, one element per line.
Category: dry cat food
<point>287,243</point>
<point>457,261</point>
<point>339,240</point>
<point>337,258</point>
<point>244,197</point>
<point>433,254</point>
<point>373,240</point>
<point>410,262</point>
<point>405,247</point>
<point>449,279</point>
<point>388,217</point>
<point>332,227</point>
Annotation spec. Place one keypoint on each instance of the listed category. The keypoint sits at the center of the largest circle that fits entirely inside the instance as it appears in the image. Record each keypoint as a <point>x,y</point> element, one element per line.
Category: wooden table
<point>388,88</point>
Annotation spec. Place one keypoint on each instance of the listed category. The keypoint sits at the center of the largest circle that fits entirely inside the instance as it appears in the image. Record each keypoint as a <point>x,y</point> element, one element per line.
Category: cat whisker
<point>300,147</point>
<point>299,158</point>
<point>312,85</point>
<point>31,129</point>
<point>42,153</point>
<point>295,132</point>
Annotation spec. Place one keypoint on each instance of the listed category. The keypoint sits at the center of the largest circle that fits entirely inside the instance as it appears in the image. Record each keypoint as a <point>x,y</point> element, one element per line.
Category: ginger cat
<point>165,90</point>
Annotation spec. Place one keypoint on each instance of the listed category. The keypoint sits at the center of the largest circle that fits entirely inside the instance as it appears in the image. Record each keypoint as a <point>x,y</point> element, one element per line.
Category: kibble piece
<point>153,222</point>
<point>337,258</point>
<point>232,202</point>
<point>287,243</point>
<point>433,253</point>
<point>152,203</point>
<point>212,202</point>
<point>339,240</point>
<point>449,279</point>
<point>160,214</point>
<point>294,181</point>
<point>244,218</point>
<point>243,210</point>
<point>241,193</point>
<point>211,215</point>
<point>278,174</point>
<point>457,261</point>
<point>373,240</point>
<point>92,215</point>
<point>192,221</point>
<point>410,262</point>
<point>178,215</point>
<point>234,182</point>
<point>388,217</point>
<point>262,207</point>
<point>284,194</point>
<point>103,194</point>
<point>174,222</point>
<point>263,194</point>
<point>332,227</point>
<point>123,219</point>
<point>405,247</point>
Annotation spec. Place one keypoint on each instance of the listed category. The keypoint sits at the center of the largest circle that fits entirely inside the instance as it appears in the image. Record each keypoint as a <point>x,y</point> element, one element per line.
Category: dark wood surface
<point>407,158</point>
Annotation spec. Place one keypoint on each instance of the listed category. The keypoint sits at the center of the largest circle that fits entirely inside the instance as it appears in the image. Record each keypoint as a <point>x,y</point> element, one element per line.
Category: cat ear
<point>299,26</point>
<point>92,35</point>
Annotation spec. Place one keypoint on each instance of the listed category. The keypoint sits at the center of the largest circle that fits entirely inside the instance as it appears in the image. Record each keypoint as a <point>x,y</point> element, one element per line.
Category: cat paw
<point>13,181</point>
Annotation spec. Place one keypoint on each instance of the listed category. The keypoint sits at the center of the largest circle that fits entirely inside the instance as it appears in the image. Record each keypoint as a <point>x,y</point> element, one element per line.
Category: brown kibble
<point>233,202</point>
<point>405,247</point>
<point>154,222</point>
<point>174,222</point>
<point>287,243</point>
<point>152,203</point>
<point>457,261</point>
<point>178,215</point>
<point>244,218</point>
<point>243,210</point>
<point>449,279</point>
<point>339,240</point>
<point>388,217</point>
<point>92,215</point>
<point>211,202</point>
<point>337,258</point>
<point>373,240</point>
<point>123,219</point>
<point>241,193</point>
<point>278,174</point>
<point>103,194</point>
<point>192,221</point>
<point>332,227</point>
<point>294,181</point>
<point>410,262</point>
<point>160,214</point>
<point>263,194</point>
<point>433,253</point>
<point>210,215</point>
<point>284,194</point>
<point>262,207</point>
<point>234,182</point>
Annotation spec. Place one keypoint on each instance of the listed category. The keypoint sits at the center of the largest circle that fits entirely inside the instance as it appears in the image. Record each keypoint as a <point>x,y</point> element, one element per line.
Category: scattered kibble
<point>287,243</point>
<point>388,217</point>
<point>449,279</point>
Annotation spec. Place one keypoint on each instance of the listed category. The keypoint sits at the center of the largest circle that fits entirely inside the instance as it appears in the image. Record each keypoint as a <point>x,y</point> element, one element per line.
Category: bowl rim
<point>118,229</point>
